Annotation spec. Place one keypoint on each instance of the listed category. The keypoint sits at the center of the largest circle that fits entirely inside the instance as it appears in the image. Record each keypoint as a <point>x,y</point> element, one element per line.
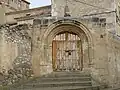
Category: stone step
<point>68,75</point>
<point>57,84</point>
<point>63,88</point>
<point>59,79</point>
<point>71,72</point>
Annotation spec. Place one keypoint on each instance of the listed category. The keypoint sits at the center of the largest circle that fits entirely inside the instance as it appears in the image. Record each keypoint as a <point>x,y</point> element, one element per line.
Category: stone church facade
<point>69,35</point>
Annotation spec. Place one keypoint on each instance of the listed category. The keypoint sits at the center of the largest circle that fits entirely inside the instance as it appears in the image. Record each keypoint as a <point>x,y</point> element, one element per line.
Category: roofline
<point>22,11</point>
<point>26,1</point>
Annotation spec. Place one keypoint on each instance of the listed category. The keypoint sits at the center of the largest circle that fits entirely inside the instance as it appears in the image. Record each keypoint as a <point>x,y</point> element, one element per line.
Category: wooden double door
<point>67,53</point>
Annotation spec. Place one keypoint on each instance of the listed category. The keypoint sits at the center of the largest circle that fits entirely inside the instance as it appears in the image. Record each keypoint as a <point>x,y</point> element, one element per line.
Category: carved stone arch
<point>52,31</point>
<point>75,23</point>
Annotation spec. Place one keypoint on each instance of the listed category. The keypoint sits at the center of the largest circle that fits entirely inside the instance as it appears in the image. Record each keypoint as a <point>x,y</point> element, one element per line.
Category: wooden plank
<point>54,54</point>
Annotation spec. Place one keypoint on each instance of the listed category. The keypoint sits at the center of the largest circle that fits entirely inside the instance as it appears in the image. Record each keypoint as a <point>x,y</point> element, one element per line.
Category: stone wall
<point>27,16</point>
<point>101,53</point>
<point>15,5</point>
<point>15,54</point>
<point>2,15</point>
<point>79,8</point>
<point>113,57</point>
<point>100,62</point>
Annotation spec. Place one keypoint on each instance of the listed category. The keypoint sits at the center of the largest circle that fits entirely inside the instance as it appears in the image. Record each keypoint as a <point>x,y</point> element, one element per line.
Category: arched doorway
<point>48,54</point>
<point>67,52</point>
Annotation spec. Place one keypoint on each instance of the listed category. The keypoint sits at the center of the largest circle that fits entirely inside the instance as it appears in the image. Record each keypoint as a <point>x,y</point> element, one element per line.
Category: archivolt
<point>78,28</point>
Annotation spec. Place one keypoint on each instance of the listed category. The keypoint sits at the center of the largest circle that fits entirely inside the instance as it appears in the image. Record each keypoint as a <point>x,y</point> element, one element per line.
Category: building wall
<point>27,16</point>
<point>7,9</point>
<point>97,16</point>
<point>79,8</point>
<point>103,61</point>
<point>113,58</point>
<point>12,6</point>
<point>16,5</point>
<point>15,50</point>
<point>118,17</point>
<point>2,15</point>
<point>8,52</point>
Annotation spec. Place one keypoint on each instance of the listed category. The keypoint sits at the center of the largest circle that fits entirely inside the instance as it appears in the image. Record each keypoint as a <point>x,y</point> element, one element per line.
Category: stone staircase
<point>60,81</point>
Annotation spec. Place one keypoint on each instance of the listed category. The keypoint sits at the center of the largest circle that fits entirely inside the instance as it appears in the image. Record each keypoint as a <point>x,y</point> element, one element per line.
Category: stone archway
<point>69,26</point>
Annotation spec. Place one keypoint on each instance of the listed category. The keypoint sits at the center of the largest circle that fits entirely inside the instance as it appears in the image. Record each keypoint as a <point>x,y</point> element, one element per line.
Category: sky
<point>38,3</point>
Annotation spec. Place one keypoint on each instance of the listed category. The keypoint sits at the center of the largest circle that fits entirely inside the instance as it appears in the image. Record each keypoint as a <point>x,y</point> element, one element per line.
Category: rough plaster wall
<point>2,15</point>
<point>21,36</point>
<point>15,52</point>
<point>40,59</point>
<point>105,65</point>
<point>99,65</point>
<point>118,29</point>
<point>114,56</point>
<point>117,4</point>
<point>8,9</point>
<point>84,7</point>
<point>118,17</point>
<point>8,52</point>
<point>103,68</point>
<point>10,17</point>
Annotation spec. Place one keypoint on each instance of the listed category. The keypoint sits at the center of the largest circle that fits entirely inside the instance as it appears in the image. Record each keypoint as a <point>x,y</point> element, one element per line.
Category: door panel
<point>54,54</point>
<point>67,52</point>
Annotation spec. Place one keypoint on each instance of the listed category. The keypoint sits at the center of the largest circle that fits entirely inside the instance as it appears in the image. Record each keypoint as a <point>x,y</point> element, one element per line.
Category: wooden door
<point>67,52</point>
